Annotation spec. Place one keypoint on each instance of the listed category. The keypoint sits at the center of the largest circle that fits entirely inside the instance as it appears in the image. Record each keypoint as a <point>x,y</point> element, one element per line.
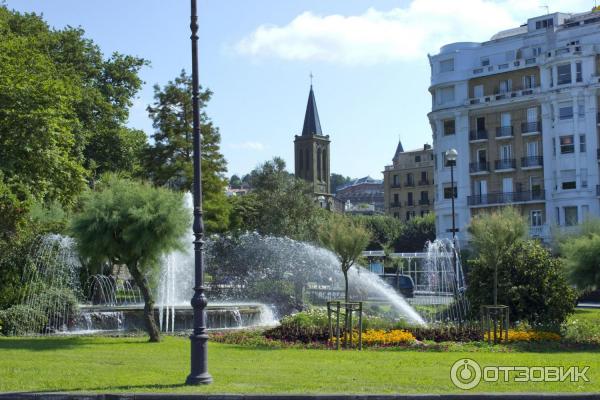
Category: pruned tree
<point>131,223</point>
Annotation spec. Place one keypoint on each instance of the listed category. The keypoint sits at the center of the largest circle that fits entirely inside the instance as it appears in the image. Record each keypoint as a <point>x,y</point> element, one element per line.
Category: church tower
<point>311,152</point>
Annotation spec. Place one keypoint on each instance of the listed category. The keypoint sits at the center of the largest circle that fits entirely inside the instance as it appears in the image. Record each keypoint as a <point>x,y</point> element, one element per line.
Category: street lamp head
<point>451,155</point>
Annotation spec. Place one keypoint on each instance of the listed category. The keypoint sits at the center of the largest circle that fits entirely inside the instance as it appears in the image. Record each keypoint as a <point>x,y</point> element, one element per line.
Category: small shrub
<point>450,333</point>
<point>20,319</point>
<point>581,331</point>
<point>530,336</point>
<point>377,337</point>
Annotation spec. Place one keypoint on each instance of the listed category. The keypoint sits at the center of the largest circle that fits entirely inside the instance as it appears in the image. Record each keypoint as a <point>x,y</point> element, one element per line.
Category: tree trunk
<point>347,328</point>
<point>346,297</point>
<point>144,286</point>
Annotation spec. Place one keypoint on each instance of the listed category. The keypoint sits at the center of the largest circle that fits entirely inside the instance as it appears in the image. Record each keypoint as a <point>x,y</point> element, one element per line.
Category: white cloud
<point>256,146</point>
<point>400,34</point>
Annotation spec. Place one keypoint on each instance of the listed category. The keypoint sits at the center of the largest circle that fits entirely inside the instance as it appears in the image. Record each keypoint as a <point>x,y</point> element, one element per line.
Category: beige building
<point>408,183</point>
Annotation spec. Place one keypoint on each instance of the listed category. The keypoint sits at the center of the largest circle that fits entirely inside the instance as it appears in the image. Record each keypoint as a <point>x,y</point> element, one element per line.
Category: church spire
<point>399,149</point>
<point>312,125</point>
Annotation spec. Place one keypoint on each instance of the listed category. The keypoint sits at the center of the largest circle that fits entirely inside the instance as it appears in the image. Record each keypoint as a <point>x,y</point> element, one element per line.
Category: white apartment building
<point>522,111</point>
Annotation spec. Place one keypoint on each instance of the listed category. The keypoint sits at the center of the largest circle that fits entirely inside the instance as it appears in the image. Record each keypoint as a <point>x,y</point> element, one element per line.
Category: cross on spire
<point>311,76</point>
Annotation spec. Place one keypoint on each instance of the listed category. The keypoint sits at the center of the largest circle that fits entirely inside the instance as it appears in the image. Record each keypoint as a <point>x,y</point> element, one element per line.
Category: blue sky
<point>369,60</point>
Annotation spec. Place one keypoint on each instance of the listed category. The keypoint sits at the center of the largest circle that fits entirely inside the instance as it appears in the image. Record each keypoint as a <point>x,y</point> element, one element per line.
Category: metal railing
<point>505,197</point>
<point>395,204</point>
<point>480,134</point>
<point>508,163</point>
<point>424,182</point>
<point>479,166</point>
<point>504,131</point>
<point>532,161</point>
<point>531,127</point>
<point>409,184</point>
<point>424,202</point>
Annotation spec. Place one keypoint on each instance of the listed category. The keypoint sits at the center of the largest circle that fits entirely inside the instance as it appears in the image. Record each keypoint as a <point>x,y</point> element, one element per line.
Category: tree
<point>337,181</point>
<point>169,161</point>
<point>61,104</point>
<point>131,223</point>
<point>493,234</point>
<point>235,182</point>
<point>416,233</point>
<point>581,255</point>
<point>347,239</point>
<point>279,205</point>
<point>385,230</point>
<point>530,281</point>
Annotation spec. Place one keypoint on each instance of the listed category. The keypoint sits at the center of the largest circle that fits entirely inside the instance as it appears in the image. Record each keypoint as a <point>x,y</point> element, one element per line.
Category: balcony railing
<point>479,166</point>
<point>396,185</point>
<point>504,131</point>
<point>532,161</point>
<point>410,203</point>
<point>409,184</point>
<point>509,163</point>
<point>424,182</point>
<point>480,134</point>
<point>424,202</point>
<point>531,127</point>
<point>395,204</point>
<point>505,197</point>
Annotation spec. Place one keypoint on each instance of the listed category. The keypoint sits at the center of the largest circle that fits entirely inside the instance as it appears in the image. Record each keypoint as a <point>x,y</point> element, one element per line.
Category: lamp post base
<point>202,379</point>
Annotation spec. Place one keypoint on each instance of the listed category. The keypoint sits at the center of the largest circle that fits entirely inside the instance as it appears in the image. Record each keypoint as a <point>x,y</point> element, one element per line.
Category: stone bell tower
<point>311,152</point>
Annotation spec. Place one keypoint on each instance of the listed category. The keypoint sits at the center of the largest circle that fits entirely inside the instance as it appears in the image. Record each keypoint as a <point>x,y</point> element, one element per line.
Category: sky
<point>369,61</point>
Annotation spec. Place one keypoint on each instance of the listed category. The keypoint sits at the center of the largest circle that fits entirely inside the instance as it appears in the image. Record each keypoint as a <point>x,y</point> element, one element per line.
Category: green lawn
<point>131,364</point>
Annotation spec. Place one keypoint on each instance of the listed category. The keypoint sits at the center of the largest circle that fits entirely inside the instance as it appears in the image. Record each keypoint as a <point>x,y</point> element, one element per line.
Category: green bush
<point>581,331</point>
<point>530,281</point>
<point>48,303</point>
<point>19,320</point>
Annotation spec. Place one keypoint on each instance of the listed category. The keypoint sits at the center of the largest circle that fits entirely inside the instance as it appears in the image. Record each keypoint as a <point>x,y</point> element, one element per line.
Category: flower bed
<point>530,336</point>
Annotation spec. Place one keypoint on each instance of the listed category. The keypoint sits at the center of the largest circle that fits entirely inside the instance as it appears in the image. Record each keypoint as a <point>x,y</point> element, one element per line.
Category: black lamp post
<point>199,338</point>
<point>451,156</point>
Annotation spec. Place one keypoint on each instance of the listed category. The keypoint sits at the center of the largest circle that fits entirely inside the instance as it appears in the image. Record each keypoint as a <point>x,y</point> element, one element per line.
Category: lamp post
<point>451,156</point>
<point>199,338</point>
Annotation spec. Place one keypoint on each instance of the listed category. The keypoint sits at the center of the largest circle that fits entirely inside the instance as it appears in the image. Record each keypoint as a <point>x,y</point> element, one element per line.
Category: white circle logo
<point>465,374</point>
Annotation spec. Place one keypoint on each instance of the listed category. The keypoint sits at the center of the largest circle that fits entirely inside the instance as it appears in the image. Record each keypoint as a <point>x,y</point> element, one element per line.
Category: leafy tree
<point>337,181</point>
<point>416,233</point>
<point>131,223</point>
<point>347,239</point>
<point>530,281</point>
<point>385,230</point>
<point>279,205</point>
<point>61,105</point>
<point>581,255</point>
<point>493,234</point>
<point>235,182</point>
<point>169,161</point>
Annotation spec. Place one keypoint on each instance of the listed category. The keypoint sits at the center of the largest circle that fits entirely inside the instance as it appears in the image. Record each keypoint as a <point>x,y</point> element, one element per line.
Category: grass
<point>133,365</point>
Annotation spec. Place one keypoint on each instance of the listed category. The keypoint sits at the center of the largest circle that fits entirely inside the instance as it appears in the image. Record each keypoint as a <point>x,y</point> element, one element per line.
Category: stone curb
<point>176,396</point>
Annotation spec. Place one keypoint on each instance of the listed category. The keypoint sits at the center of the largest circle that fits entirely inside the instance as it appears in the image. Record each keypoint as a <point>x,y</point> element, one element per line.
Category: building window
<point>409,200</point>
<point>569,185</point>
<point>564,74</point>
<point>529,82</point>
<point>506,86</point>
<point>448,192</point>
<point>582,144</point>
<point>567,145</point>
<point>424,212</point>
<point>485,61</point>
<point>417,159</point>
<point>396,199</point>
<point>396,181</point>
<point>584,178</point>
<point>565,111</point>
<point>578,72</point>
<point>396,215</point>
<point>570,216</point>
<point>449,127</point>
<point>543,24</point>
<point>410,179</point>
<point>536,218</point>
<point>410,215</point>
<point>446,95</point>
<point>447,65</point>
<point>581,108</point>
